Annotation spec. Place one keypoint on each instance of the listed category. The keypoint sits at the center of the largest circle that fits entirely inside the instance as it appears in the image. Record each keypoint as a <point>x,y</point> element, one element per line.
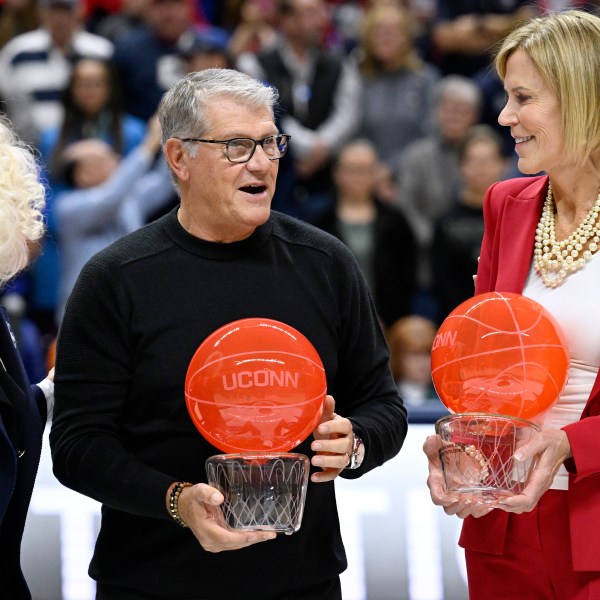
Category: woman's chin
<point>527,168</point>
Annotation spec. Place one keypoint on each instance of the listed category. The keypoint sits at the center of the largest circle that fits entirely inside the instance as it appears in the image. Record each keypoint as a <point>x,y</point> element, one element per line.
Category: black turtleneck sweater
<point>121,433</point>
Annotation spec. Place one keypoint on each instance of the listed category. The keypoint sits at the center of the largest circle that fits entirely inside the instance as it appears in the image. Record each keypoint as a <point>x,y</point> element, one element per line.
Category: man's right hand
<point>198,506</point>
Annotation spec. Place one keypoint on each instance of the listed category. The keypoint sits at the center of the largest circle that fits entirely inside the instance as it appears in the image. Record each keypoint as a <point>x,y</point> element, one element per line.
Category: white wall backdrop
<point>399,545</point>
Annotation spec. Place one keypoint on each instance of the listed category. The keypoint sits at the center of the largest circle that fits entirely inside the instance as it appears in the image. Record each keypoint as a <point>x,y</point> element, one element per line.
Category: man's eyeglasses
<point>241,150</point>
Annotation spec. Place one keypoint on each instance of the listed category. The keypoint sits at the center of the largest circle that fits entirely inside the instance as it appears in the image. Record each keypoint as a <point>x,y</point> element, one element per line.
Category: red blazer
<point>511,211</point>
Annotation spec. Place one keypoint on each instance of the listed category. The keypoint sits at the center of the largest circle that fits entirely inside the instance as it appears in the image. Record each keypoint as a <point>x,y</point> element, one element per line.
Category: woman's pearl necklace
<point>555,260</point>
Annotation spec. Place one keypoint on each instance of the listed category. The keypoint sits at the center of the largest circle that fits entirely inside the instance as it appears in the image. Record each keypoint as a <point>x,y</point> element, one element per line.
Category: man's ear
<point>177,158</point>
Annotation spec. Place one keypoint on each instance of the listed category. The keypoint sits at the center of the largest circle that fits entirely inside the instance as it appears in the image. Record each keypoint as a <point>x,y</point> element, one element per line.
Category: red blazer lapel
<point>521,214</point>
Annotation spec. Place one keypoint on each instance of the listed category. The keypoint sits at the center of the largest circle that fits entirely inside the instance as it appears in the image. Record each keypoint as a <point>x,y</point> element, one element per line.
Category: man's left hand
<point>333,443</point>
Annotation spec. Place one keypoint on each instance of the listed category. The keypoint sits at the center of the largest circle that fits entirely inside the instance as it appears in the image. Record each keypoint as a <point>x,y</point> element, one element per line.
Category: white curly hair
<point>22,200</point>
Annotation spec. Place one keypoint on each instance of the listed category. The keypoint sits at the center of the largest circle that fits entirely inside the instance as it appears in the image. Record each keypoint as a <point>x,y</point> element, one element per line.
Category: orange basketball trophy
<point>498,361</point>
<point>255,389</point>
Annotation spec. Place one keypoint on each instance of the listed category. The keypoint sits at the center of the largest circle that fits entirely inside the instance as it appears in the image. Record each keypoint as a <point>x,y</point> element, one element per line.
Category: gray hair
<point>182,110</point>
<point>459,87</point>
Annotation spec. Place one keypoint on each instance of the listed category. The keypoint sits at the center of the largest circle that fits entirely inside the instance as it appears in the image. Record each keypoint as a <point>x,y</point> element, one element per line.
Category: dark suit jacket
<point>511,211</point>
<point>395,260</point>
<point>22,418</point>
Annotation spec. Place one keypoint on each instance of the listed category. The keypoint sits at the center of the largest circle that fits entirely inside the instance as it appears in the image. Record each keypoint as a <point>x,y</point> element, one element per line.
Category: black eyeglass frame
<point>286,138</point>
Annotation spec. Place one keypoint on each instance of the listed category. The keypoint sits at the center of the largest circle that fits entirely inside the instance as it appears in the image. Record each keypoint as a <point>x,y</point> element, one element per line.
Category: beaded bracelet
<point>174,502</point>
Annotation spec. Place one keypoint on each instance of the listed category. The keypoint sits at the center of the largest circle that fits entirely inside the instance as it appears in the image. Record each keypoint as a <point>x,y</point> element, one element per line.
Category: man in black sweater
<point>121,433</point>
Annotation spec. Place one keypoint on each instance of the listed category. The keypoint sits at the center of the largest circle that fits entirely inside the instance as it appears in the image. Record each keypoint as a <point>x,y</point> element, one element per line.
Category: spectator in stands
<point>457,238</point>
<point>124,21</point>
<point>255,30</point>
<point>428,175</point>
<point>410,340</point>
<point>35,67</point>
<point>92,109</point>
<point>319,99</point>
<point>97,10</point>
<point>17,17</point>
<point>346,19</point>
<point>398,86</point>
<point>378,234</point>
<point>465,32</point>
<point>148,59</point>
<point>107,199</point>
<point>204,51</point>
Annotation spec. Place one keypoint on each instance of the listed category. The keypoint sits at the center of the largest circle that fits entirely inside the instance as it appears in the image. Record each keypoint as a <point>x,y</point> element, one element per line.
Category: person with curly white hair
<point>24,408</point>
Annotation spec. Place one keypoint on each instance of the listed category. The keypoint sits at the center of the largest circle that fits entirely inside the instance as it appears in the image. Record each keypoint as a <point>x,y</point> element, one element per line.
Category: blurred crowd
<point>391,105</point>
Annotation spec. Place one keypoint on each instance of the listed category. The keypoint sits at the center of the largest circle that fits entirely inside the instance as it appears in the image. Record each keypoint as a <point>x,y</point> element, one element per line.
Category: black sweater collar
<point>216,250</point>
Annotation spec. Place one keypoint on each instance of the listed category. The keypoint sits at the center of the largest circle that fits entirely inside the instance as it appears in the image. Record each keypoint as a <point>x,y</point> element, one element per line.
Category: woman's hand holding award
<point>255,388</point>
<point>498,361</point>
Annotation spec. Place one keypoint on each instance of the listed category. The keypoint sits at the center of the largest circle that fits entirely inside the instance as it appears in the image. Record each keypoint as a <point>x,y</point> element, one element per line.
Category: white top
<point>574,305</point>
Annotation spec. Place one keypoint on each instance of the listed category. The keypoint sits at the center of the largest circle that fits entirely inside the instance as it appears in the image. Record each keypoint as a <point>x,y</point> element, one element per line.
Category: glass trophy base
<point>477,454</point>
<point>263,491</point>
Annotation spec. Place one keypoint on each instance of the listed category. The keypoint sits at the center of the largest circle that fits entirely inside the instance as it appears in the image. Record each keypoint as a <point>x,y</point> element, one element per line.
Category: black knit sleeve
<point>92,379</point>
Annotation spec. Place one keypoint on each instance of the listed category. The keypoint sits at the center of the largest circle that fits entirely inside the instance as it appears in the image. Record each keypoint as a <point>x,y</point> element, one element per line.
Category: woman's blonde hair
<point>22,199</point>
<point>565,48</point>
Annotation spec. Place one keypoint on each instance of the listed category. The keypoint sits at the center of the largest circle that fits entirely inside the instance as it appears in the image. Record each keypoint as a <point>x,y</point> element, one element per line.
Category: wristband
<point>174,502</point>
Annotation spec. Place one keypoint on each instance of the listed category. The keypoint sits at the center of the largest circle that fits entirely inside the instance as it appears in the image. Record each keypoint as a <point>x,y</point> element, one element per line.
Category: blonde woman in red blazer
<point>543,544</point>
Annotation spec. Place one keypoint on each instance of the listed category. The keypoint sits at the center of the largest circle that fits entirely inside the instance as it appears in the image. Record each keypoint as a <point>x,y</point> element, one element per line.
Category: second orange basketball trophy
<point>498,361</point>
